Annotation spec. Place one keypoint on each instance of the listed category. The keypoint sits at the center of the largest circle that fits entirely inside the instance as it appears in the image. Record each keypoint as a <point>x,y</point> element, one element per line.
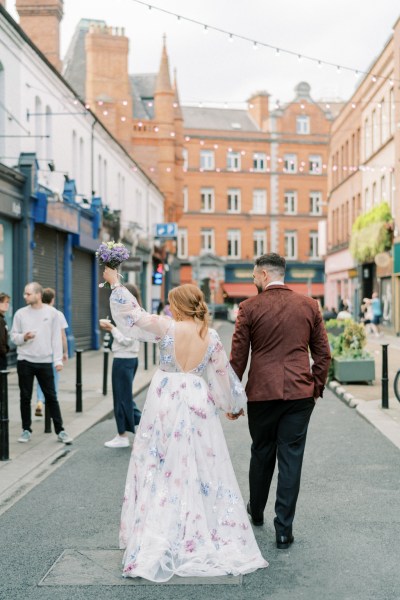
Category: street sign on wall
<point>167,230</point>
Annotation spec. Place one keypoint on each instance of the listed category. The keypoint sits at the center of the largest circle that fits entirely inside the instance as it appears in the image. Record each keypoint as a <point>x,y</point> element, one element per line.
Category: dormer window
<point>303,124</point>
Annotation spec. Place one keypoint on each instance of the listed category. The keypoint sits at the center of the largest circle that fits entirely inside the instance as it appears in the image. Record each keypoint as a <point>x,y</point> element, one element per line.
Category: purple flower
<point>111,254</point>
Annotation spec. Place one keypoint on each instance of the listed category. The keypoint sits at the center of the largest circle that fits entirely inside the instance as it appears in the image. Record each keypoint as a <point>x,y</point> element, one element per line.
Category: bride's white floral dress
<point>183,513</point>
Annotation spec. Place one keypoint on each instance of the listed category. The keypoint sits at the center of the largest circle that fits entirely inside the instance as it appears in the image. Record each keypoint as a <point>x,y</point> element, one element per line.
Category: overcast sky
<point>212,69</point>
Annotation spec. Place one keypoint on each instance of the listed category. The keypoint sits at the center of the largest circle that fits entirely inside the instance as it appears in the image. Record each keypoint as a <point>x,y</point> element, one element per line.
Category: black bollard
<point>4,442</point>
<point>154,354</point>
<point>146,361</point>
<point>78,381</point>
<point>385,378</point>
<point>106,350</point>
<point>47,419</point>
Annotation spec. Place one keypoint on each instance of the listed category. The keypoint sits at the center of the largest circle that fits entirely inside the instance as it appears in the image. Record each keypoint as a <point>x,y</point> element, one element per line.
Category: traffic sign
<point>167,230</point>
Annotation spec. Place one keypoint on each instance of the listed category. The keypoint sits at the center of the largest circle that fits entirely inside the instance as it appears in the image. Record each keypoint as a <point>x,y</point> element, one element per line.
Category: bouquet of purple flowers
<point>111,254</point>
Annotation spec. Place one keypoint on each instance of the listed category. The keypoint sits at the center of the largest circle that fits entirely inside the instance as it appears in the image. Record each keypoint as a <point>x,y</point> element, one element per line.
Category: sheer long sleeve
<point>133,321</point>
<point>225,388</point>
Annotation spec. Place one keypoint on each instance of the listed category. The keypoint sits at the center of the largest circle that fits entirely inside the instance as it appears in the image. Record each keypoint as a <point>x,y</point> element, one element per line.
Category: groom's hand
<point>234,416</point>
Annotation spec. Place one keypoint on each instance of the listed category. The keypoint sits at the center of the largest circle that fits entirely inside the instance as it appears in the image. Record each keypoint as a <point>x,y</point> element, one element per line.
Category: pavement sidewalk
<point>31,461</point>
<point>367,399</point>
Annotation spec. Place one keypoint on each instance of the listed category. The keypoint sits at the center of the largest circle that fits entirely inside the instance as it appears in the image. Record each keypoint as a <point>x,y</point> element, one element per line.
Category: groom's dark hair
<point>272,262</point>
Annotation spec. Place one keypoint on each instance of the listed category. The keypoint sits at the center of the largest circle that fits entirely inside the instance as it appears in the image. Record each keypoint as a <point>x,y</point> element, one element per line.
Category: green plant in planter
<point>350,361</point>
<point>349,344</point>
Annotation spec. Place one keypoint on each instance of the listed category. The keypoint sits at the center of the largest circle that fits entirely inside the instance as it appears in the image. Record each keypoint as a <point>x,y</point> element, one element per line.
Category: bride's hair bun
<point>188,301</point>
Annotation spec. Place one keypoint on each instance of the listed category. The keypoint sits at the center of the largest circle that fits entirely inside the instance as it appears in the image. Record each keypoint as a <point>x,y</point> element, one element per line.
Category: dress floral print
<point>183,513</point>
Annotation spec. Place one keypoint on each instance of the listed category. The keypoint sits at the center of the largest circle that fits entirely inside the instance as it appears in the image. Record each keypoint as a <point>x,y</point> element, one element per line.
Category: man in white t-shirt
<point>49,297</point>
<point>37,334</point>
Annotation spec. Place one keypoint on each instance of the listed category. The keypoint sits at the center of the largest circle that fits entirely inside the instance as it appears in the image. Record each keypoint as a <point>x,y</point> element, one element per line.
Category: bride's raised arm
<point>224,386</point>
<point>133,321</point>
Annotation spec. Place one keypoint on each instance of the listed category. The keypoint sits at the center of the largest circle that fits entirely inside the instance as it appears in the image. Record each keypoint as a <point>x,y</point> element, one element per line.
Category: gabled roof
<point>142,89</point>
<point>224,119</point>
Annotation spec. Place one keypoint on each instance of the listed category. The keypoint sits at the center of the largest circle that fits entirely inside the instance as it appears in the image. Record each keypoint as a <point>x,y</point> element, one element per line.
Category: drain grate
<point>103,567</point>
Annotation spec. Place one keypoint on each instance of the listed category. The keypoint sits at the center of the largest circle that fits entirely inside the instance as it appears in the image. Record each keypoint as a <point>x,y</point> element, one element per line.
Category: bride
<point>183,513</point>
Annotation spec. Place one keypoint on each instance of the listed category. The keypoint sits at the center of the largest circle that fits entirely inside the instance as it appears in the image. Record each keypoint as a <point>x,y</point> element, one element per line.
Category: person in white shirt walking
<point>125,364</point>
<point>37,334</point>
<point>49,297</point>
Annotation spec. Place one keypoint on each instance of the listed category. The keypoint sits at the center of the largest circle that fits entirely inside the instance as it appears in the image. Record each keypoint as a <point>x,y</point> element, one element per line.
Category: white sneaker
<point>64,438</point>
<point>25,436</point>
<point>118,442</point>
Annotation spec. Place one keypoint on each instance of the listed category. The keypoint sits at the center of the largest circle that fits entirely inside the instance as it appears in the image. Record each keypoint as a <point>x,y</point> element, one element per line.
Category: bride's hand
<point>234,416</point>
<point>110,275</point>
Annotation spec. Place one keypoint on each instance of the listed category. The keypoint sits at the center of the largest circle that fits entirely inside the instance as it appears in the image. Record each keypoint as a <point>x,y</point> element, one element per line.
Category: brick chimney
<point>259,109</point>
<point>107,79</point>
<point>40,19</point>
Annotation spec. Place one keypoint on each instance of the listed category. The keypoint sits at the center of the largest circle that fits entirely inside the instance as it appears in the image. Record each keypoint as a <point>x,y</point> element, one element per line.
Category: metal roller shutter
<point>82,299</point>
<point>48,260</point>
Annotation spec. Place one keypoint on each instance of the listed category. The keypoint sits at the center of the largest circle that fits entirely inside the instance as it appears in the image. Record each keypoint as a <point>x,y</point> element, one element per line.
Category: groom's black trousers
<point>278,430</point>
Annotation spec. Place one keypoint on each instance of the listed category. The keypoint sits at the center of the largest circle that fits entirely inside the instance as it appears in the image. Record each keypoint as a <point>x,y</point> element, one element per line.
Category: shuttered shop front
<point>82,305</point>
<point>48,260</point>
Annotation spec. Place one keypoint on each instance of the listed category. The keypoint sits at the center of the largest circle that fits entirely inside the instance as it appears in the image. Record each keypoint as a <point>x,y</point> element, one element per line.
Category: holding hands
<point>235,416</point>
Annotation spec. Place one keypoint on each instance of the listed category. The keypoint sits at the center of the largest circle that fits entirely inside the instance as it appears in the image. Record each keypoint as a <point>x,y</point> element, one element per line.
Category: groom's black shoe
<point>283,541</point>
<point>257,522</point>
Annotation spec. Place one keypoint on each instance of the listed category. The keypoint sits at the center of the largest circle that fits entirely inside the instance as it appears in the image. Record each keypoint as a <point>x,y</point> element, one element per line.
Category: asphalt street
<point>347,527</point>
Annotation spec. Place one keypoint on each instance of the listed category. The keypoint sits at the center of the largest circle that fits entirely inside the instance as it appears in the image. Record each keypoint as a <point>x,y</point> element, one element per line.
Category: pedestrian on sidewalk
<point>49,297</point>
<point>125,363</point>
<point>37,334</point>
<point>4,347</point>
<point>183,513</point>
<point>376,308</point>
<point>281,328</point>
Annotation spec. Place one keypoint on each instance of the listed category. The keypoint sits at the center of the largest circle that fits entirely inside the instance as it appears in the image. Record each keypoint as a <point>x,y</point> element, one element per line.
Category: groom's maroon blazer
<point>281,327</point>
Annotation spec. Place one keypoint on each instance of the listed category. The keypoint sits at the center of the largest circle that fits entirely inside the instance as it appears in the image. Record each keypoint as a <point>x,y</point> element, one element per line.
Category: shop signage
<point>10,206</point>
<point>63,216</point>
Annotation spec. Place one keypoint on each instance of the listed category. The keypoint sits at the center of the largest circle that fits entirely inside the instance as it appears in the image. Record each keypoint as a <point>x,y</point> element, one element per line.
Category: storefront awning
<point>239,290</point>
<point>308,289</point>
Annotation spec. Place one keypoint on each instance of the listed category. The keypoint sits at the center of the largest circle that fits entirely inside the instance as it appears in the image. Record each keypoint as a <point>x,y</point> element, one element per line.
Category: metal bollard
<point>385,378</point>
<point>154,354</point>
<point>4,441</point>
<point>146,361</point>
<point>78,381</point>
<point>106,350</point>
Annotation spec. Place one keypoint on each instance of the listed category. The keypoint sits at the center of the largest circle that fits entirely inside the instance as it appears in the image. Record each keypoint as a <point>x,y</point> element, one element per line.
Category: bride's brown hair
<point>188,301</point>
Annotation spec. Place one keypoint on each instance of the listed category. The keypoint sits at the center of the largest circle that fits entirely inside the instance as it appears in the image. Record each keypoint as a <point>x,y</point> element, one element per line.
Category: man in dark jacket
<point>4,305</point>
<point>281,328</point>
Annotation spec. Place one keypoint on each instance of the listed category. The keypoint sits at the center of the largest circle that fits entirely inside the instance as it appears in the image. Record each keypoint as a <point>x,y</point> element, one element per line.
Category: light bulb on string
<point>178,18</point>
<point>230,38</point>
<point>277,52</point>
<point>373,78</point>
<point>356,73</point>
<point>255,47</point>
<point>391,82</point>
<point>299,57</point>
<point>338,70</point>
<point>353,105</point>
<point>319,64</point>
<point>205,30</point>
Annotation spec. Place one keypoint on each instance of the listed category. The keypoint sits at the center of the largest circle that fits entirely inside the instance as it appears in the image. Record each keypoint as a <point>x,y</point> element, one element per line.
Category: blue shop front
<point>64,238</point>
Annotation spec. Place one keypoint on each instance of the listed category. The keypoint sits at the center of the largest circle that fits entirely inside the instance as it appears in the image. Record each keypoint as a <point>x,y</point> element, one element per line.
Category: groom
<point>281,327</point>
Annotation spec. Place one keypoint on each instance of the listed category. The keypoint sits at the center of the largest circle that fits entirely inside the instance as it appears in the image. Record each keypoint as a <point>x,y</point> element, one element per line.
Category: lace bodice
<point>134,321</point>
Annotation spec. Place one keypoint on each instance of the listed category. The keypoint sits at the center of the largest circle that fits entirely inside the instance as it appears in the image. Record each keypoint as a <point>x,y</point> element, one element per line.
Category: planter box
<point>354,370</point>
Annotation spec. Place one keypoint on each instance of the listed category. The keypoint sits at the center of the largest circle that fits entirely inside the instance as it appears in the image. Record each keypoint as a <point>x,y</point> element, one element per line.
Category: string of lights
<point>277,49</point>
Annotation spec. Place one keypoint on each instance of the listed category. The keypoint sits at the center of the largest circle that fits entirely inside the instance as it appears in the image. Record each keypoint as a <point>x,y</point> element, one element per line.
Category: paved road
<point>347,528</point>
